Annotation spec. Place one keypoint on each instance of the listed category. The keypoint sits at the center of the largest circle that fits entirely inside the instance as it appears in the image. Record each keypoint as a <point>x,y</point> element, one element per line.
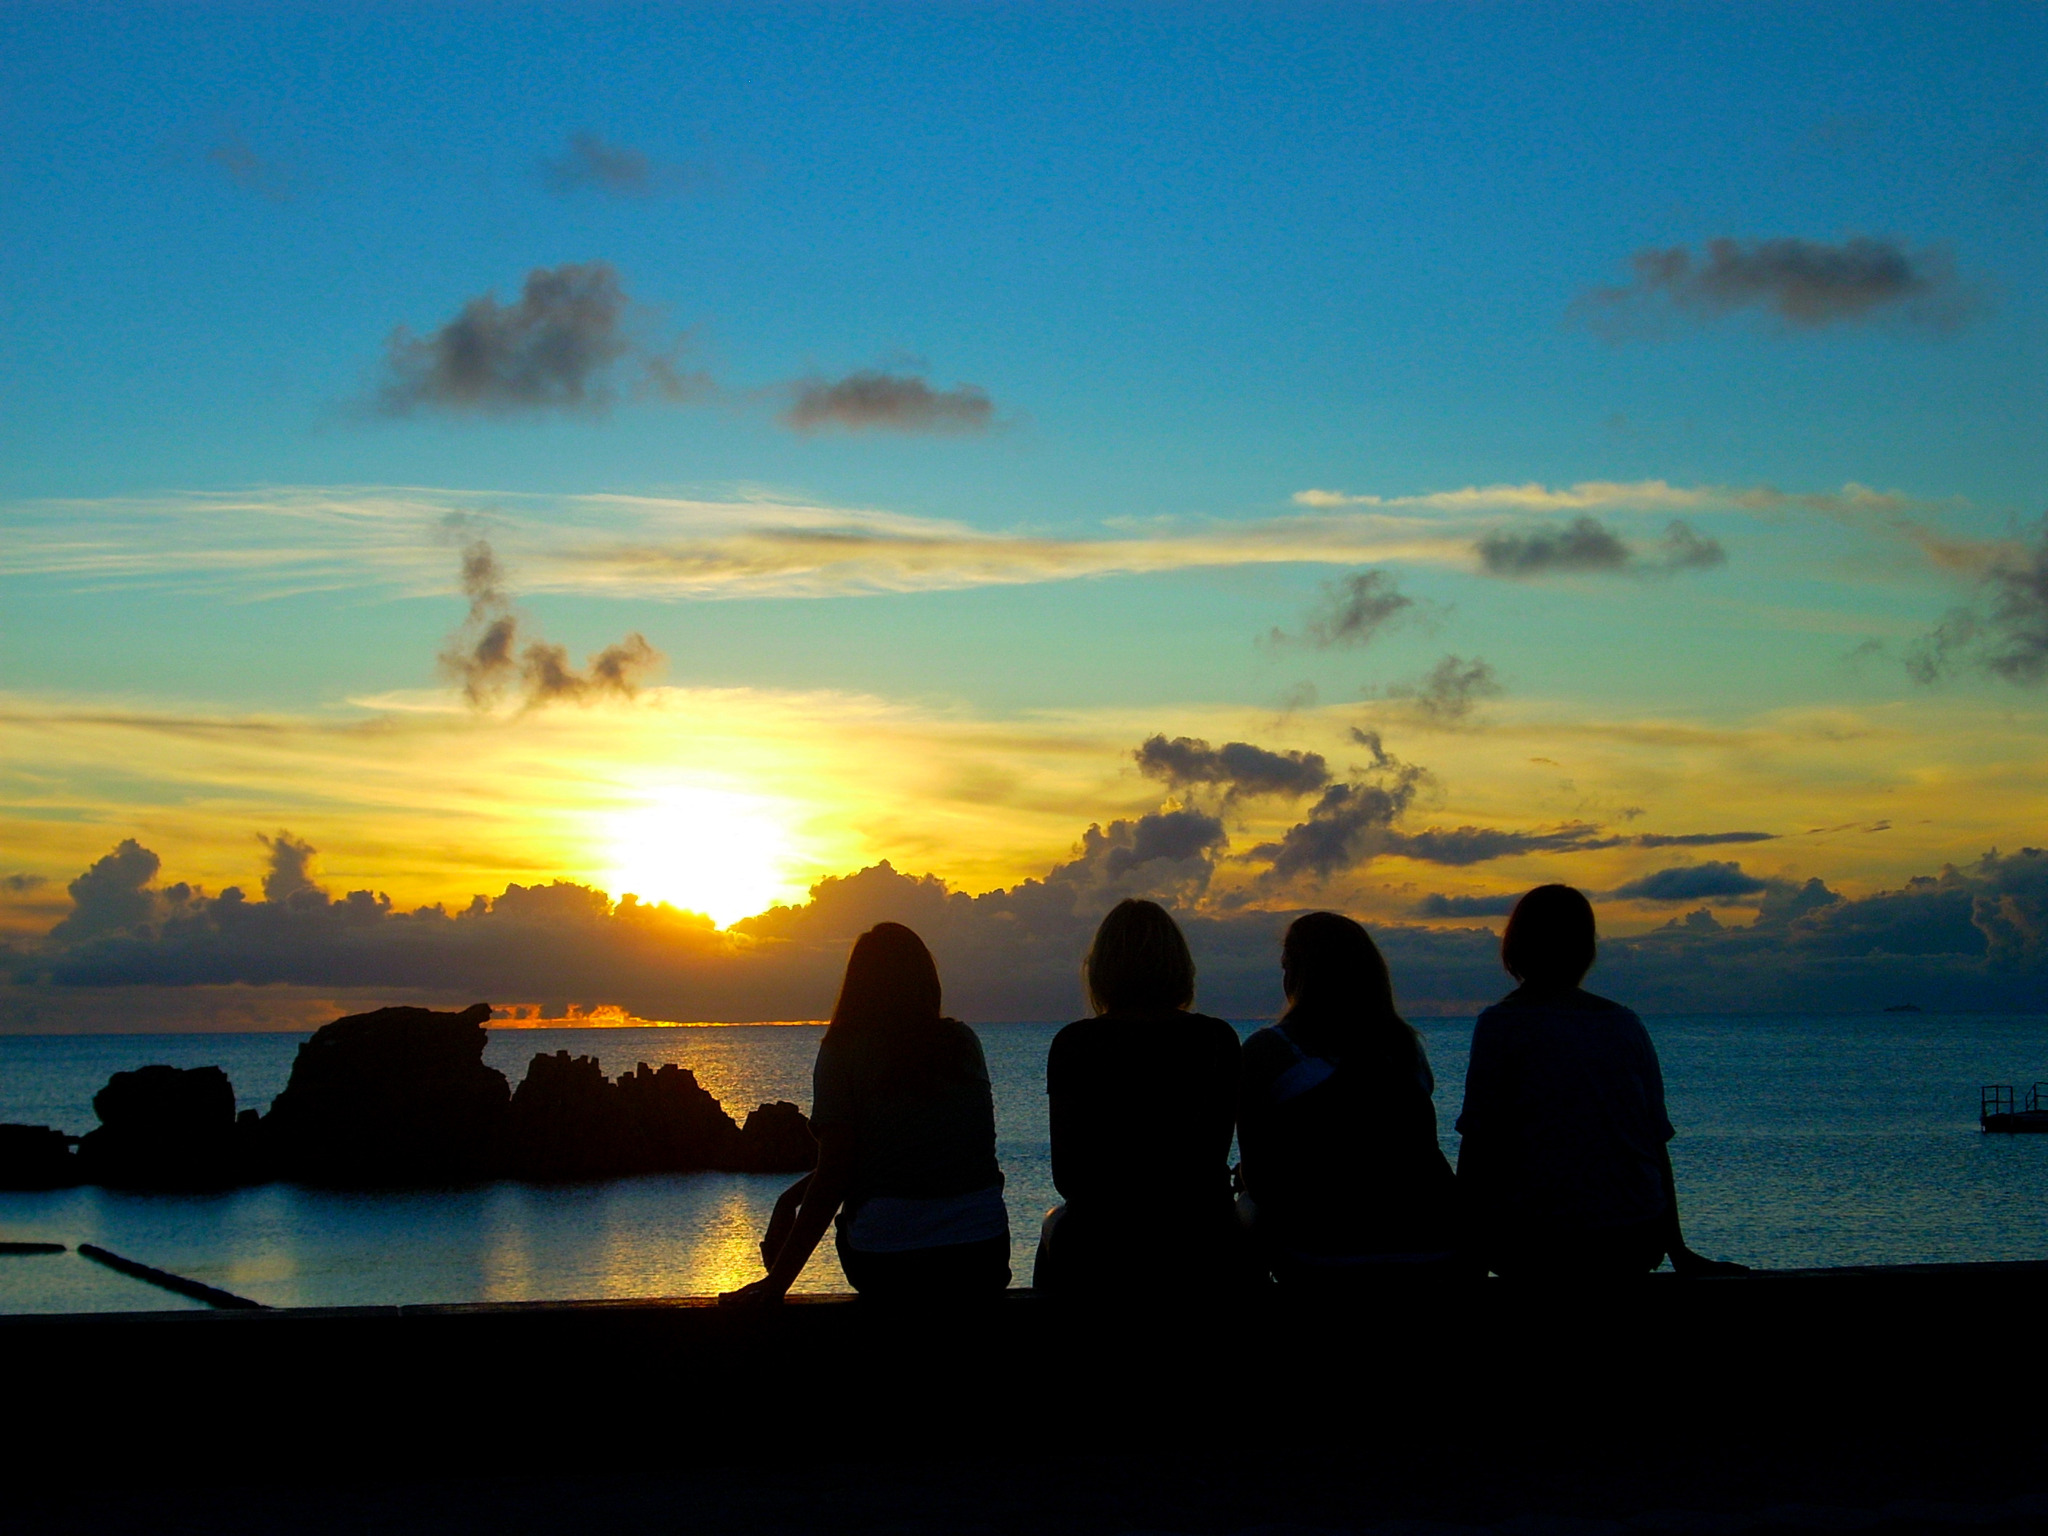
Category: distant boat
<point>1998,1109</point>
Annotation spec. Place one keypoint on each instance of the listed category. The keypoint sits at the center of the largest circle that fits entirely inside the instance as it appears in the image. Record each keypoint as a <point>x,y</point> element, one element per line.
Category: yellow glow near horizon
<point>705,850</point>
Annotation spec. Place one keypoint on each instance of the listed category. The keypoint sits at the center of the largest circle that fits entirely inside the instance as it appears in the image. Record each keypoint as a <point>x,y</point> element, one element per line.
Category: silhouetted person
<point>906,1128</point>
<point>1337,1133</point>
<point>1143,1099</point>
<point>1564,1166</point>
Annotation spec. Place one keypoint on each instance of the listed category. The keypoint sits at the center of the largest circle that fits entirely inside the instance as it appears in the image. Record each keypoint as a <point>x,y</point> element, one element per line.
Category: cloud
<point>1970,937</point>
<point>1435,905</point>
<point>873,401</point>
<point>1716,880</point>
<point>1697,839</point>
<point>231,154</point>
<point>2008,636</point>
<point>1352,611</point>
<point>1239,767</point>
<point>549,351</point>
<point>589,164</point>
<point>290,869</point>
<point>1478,845</point>
<point>1453,688</point>
<point>1585,547</point>
<point>1344,829</point>
<point>284,540</point>
<point>484,656</point>
<point>20,884</point>
<point>1807,285</point>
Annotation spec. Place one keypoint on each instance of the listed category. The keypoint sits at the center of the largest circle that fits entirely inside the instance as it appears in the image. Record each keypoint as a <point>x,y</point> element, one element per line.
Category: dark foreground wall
<point>1851,1387</point>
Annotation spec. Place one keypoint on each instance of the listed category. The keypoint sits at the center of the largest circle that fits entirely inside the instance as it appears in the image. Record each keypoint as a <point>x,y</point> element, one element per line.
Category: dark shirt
<point>919,1114</point>
<point>1340,1155</point>
<point>1143,1107</point>
<point>1564,1120</point>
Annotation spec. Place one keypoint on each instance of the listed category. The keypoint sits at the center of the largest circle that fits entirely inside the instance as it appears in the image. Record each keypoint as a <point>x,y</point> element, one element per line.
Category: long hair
<point>1139,962</point>
<point>1550,939</point>
<point>889,1001</point>
<point>1340,996</point>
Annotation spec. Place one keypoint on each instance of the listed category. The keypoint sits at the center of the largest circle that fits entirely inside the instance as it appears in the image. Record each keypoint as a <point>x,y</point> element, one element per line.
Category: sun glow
<point>704,850</point>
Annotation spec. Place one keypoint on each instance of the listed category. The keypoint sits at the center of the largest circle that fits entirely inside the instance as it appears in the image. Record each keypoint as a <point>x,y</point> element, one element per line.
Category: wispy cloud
<point>1806,285</point>
<point>232,155</point>
<point>590,164</point>
<point>1585,547</point>
<point>873,401</point>
<point>485,656</point>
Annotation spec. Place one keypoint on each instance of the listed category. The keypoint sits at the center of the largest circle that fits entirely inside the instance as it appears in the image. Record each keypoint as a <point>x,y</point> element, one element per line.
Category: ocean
<point>1844,1139</point>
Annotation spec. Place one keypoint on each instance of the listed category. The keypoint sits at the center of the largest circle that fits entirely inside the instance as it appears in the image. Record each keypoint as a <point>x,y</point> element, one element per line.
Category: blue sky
<point>1201,260</point>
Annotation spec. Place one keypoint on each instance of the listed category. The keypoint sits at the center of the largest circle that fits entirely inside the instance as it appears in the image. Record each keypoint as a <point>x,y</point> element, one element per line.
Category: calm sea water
<point>1802,1141</point>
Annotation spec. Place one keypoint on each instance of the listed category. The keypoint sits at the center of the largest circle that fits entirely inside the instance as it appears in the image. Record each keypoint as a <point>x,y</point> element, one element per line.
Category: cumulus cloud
<point>1715,880</point>
<point>1353,610</point>
<point>1451,691</point>
<point>1438,905</point>
<point>2007,637</point>
<point>20,884</point>
<point>553,349</point>
<point>1585,546</point>
<point>289,871</point>
<point>1345,828</point>
<point>485,655</point>
<point>1969,937</point>
<point>1806,285</point>
<point>873,401</point>
<point>589,164</point>
<point>1238,767</point>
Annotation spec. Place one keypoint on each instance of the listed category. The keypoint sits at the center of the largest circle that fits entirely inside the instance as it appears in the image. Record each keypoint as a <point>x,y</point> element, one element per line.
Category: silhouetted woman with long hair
<point>1143,1100</point>
<point>1337,1134</point>
<point>906,1128</point>
<point>1564,1165</point>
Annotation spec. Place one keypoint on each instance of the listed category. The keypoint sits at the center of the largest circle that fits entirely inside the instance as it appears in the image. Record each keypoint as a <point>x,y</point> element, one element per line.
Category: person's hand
<point>765,1292</point>
<point>1692,1265</point>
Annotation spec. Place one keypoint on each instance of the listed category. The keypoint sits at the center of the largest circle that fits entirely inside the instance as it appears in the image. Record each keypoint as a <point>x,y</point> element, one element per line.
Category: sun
<point>713,851</point>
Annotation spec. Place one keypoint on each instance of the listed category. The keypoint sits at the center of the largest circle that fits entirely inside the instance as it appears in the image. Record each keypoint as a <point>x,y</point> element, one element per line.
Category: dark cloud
<point>552,350</point>
<point>289,872</point>
<point>1237,766</point>
<point>2008,636</point>
<point>1584,546</point>
<point>19,884</point>
<point>1344,829</point>
<point>1435,905</point>
<point>870,400</point>
<point>486,657</point>
<point>1716,880</point>
<point>1451,691</point>
<point>1697,839</point>
<point>1968,938</point>
<point>1806,285</point>
<point>1458,846</point>
<point>1353,610</point>
<point>230,153</point>
<point>589,164</point>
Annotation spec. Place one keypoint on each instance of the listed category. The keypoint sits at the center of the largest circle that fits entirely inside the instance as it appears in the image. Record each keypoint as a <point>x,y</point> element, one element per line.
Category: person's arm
<point>1683,1259</point>
<point>782,1219</point>
<point>822,1194</point>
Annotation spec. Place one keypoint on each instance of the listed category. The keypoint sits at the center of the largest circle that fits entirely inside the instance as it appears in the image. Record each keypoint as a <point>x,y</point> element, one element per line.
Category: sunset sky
<point>700,451</point>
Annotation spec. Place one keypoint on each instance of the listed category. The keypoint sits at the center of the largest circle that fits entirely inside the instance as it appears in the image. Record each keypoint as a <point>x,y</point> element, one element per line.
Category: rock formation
<point>36,1157</point>
<point>673,1124</point>
<point>776,1139</point>
<point>565,1121</point>
<point>164,1128</point>
<point>398,1096</point>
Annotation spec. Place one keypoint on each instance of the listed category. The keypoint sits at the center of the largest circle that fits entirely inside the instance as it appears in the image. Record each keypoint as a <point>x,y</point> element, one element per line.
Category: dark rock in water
<point>566,1121</point>
<point>674,1125</point>
<point>398,1096</point>
<point>36,1157</point>
<point>163,1128</point>
<point>776,1139</point>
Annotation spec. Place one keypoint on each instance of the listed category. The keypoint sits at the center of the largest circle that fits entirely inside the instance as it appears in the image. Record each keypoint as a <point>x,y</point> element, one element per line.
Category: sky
<point>1259,457</point>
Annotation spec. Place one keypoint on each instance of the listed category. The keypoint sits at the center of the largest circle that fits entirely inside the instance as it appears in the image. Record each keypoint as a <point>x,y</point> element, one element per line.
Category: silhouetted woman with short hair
<point>1143,1099</point>
<point>1564,1166</point>
<point>906,1129</point>
<point>1337,1134</point>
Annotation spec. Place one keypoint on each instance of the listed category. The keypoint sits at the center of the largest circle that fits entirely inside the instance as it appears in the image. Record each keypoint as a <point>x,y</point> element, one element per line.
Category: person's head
<point>1139,962</point>
<point>1337,980</point>
<point>890,982</point>
<point>1549,940</point>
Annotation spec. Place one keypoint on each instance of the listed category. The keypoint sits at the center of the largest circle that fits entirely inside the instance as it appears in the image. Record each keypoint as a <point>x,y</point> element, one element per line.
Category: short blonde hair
<point>1139,962</point>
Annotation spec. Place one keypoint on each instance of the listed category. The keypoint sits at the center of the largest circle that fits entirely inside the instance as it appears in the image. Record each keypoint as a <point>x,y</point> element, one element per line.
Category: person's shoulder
<point>1220,1033</point>
<point>1267,1050</point>
<point>1593,1002</point>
